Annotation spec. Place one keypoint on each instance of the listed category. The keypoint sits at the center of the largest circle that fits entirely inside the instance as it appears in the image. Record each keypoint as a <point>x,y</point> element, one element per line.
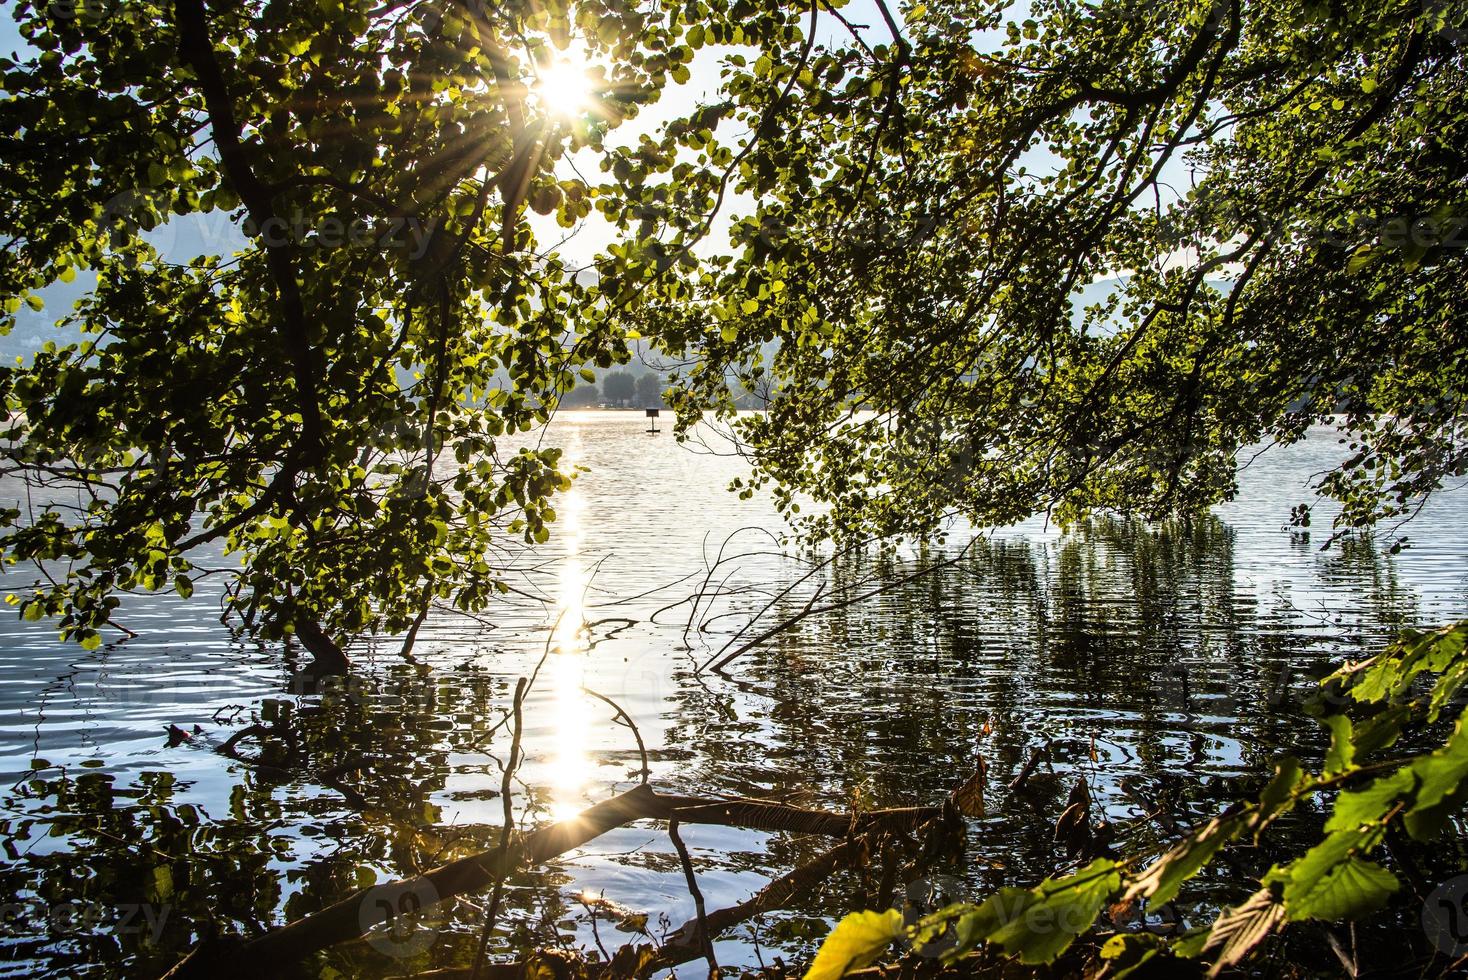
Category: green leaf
<point>1127,952</point>
<point>1349,890</point>
<point>1161,880</point>
<point>162,889</point>
<point>1442,784</point>
<point>1038,925</point>
<point>1331,881</point>
<point>1355,809</point>
<point>856,942</point>
<point>1278,794</point>
<point>1342,751</point>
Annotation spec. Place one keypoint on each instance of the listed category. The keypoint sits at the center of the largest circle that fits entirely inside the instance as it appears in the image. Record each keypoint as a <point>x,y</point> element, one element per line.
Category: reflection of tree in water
<point>1138,637</point>
<point>340,796</point>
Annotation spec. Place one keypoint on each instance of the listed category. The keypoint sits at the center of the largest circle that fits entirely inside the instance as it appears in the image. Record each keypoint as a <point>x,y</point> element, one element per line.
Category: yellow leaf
<point>856,942</point>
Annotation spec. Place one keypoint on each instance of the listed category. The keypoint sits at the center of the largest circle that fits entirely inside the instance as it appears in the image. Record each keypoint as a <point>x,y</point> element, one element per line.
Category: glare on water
<point>566,667</point>
<point>1172,657</point>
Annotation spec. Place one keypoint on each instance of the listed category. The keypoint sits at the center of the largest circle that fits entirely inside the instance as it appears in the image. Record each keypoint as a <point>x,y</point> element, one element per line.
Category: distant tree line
<point>618,389</point>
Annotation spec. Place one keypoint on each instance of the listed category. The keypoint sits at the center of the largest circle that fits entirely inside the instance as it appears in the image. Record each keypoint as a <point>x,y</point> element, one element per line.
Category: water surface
<point>1162,666</point>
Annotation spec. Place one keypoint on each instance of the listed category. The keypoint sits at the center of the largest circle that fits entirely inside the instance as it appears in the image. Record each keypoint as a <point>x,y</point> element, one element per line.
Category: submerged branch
<point>359,913</point>
<point>718,663</point>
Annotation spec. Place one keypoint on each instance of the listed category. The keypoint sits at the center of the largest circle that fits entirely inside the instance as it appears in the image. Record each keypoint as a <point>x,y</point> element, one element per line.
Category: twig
<point>842,604</point>
<point>704,939</point>
<point>506,789</point>
<point>627,720</point>
<point>595,933</point>
<point>1018,782</point>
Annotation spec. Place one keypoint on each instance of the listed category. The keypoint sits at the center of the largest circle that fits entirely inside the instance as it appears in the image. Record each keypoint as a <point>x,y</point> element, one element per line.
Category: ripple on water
<point>1178,653</point>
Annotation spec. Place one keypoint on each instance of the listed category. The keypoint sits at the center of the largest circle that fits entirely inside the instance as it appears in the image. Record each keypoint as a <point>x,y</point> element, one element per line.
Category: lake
<point>1164,667</point>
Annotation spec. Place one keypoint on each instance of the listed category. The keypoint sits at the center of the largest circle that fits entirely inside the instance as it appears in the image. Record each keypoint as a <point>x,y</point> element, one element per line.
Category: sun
<point>564,87</point>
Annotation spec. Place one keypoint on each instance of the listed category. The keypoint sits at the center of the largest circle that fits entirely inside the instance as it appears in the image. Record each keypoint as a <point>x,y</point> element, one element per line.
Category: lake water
<point>1164,667</point>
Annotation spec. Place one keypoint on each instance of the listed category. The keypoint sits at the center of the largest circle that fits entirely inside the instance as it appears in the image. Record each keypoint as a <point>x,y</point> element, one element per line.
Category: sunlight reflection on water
<point>1180,654</point>
<point>570,768</point>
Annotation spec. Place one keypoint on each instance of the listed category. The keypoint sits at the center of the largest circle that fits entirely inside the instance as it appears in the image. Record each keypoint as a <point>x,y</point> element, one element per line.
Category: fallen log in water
<point>762,815</point>
<point>686,943</point>
<point>354,916</point>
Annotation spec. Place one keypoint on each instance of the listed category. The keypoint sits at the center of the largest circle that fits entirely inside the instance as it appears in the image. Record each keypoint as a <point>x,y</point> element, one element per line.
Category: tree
<point>580,396</point>
<point>650,390</point>
<point>1077,268</point>
<point>1083,265</point>
<point>327,406</point>
<point>619,387</point>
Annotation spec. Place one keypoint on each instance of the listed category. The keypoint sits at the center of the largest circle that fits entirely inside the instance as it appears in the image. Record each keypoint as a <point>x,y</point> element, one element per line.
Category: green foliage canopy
<point>1073,256</point>
<point>329,403</point>
<point>924,207</point>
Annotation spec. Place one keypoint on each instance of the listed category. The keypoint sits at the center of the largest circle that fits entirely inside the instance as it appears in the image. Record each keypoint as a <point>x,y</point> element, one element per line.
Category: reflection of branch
<point>703,938</point>
<point>506,830</point>
<point>831,607</point>
<point>260,732</point>
<point>627,719</point>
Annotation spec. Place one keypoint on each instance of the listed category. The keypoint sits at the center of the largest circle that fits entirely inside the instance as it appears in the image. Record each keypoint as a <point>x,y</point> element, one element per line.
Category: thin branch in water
<point>627,720</point>
<point>595,933</point>
<point>406,651</point>
<point>505,831</point>
<point>831,607</point>
<point>705,940</point>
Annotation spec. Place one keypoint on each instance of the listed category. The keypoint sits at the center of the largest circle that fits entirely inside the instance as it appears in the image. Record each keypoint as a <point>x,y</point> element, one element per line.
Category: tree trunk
<point>326,657</point>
